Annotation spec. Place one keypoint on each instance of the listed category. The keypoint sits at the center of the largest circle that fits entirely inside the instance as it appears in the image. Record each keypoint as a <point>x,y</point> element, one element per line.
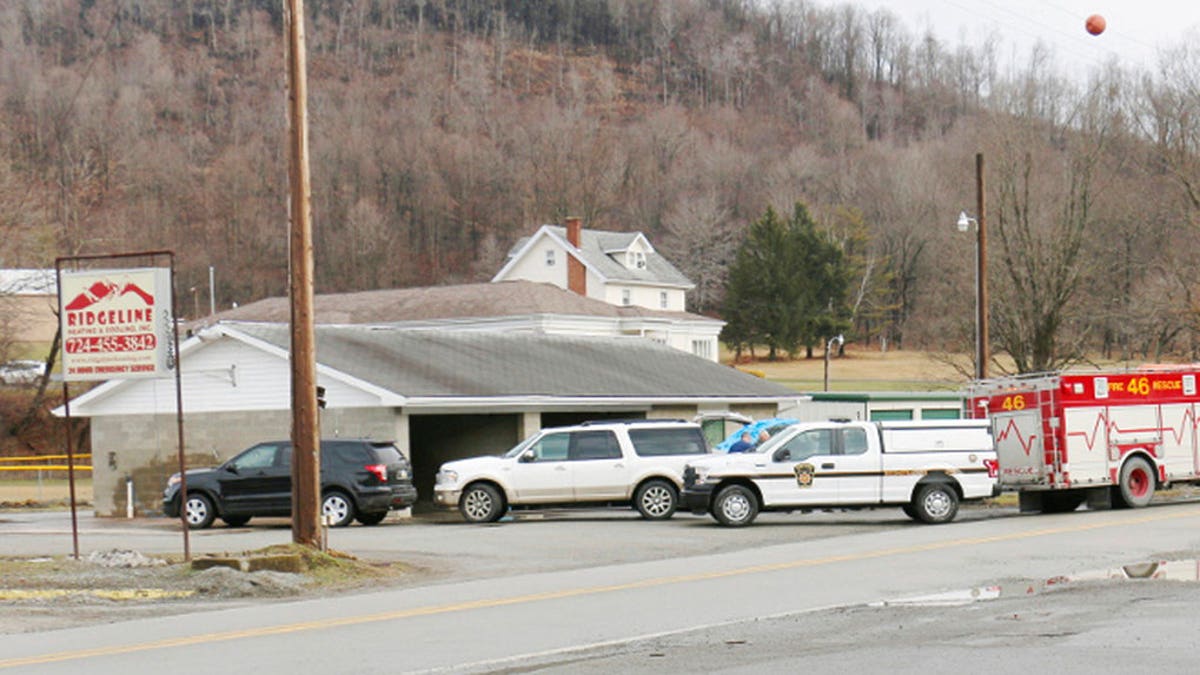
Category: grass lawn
<point>868,370</point>
<point>47,491</point>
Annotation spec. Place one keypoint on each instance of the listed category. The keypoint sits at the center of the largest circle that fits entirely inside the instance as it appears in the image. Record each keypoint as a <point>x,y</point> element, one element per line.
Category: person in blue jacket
<point>746,443</point>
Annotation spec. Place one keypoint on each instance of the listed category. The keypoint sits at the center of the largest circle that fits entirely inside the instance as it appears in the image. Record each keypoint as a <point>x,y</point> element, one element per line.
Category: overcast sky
<point>1137,29</point>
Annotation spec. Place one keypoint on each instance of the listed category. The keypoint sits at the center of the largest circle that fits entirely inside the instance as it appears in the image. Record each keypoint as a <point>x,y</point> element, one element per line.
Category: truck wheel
<point>481,503</point>
<point>735,506</point>
<point>1136,486</point>
<point>656,500</point>
<point>935,503</point>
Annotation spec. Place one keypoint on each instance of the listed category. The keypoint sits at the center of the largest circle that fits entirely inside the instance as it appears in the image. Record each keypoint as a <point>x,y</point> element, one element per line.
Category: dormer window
<point>549,257</point>
<point>635,260</point>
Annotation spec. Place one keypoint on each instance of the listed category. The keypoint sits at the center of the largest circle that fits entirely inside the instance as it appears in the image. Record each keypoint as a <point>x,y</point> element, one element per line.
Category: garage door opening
<point>434,439</point>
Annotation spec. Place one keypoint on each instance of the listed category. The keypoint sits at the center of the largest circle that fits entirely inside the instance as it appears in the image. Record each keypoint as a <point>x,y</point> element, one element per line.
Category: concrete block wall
<point>672,412</point>
<point>144,449</point>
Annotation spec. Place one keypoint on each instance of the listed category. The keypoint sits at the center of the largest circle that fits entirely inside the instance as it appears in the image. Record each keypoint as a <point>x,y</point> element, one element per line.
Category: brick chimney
<point>576,273</point>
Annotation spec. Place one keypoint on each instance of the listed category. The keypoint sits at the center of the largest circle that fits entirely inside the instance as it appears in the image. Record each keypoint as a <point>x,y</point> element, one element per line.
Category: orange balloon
<point>1095,24</point>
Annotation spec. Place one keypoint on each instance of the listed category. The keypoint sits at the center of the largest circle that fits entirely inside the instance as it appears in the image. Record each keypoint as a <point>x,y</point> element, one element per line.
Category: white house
<point>620,268</point>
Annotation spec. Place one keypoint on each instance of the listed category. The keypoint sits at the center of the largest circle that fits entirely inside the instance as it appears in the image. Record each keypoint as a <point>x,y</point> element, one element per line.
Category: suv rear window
<point>344,452</point>
<point>672,441</point>
<point>387,453</point>
<point>594,445</point>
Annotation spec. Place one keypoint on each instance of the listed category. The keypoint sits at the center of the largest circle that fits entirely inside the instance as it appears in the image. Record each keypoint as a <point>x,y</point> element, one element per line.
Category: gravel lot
<point>47,593</point>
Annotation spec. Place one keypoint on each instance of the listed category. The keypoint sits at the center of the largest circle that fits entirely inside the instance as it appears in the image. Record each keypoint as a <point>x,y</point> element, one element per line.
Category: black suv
<point>359,479</point>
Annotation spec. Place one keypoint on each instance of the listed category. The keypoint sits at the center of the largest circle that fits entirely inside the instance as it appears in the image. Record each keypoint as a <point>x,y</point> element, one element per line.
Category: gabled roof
<point>595,247</point>
<point>28,282</point>
<point>508,298</point>
<point>441,369</point>
<point>419,363</point>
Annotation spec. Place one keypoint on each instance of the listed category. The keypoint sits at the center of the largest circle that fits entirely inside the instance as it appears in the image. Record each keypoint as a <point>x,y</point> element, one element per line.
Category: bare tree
<point>701,242</point>
<point>1043,210</point>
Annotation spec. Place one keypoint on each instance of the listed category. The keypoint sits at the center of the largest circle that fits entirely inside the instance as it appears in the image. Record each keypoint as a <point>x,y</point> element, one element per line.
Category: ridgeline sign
<point>116,324</point>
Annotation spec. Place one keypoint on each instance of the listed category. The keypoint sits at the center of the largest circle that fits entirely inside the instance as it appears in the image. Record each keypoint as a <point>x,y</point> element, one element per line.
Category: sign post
<point>119,323</point>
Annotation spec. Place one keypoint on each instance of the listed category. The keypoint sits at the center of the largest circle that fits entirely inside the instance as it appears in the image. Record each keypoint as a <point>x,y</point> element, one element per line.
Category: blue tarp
<point>772,425</point>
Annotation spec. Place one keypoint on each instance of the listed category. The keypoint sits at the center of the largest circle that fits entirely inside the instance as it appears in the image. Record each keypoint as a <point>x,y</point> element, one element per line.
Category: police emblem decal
<point>804,474</point>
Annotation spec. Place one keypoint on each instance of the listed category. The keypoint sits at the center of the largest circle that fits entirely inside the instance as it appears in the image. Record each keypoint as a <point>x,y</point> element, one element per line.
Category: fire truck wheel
<point>1136,487</point>
<point>935,503</point>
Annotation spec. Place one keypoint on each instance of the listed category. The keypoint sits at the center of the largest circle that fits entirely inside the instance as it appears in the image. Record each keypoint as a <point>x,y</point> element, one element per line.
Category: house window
<point>549,257</point>
<point>635,260</point>
<point>626,297</point>
<point>702,348</point>
<point>662,299</point>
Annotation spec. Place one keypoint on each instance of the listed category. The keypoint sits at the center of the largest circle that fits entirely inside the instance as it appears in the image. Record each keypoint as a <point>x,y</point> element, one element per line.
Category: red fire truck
<point>1110,438</point>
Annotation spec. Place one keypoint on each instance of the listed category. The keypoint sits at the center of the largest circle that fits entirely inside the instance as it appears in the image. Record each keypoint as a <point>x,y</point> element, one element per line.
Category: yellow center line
<point>324,624</point>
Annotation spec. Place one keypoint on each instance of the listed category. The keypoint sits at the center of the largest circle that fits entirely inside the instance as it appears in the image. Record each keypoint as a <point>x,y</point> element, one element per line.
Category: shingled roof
<point>506,298</point>
<point>431,363</point>
<point>595,247</point>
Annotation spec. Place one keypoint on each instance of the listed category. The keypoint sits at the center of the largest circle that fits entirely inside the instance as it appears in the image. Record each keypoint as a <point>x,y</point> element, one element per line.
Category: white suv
<point>607,462</point>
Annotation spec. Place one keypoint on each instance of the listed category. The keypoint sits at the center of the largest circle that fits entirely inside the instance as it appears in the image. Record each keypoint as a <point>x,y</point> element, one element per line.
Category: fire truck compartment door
<point>1019,447</point>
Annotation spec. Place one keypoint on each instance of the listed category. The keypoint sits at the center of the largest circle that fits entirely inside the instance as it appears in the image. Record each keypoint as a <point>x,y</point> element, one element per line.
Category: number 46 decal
<point>1013,402</point>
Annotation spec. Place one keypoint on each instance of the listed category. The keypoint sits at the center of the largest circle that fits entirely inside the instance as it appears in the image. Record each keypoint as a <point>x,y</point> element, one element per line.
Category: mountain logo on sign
<point>108,292</point>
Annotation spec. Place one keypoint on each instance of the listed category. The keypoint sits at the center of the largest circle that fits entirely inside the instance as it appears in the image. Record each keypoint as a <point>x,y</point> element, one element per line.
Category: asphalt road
<point>605,592</point>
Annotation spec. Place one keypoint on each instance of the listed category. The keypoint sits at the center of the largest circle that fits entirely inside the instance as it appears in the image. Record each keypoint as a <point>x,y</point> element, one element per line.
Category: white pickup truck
<point>926,468</point>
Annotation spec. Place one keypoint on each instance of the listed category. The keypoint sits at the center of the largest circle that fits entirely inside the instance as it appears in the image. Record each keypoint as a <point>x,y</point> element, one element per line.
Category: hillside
<point>443,131</point>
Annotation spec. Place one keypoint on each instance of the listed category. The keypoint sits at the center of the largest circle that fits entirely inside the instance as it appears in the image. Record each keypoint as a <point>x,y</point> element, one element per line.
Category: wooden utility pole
<point>306,446</point>
<point>982,352</point>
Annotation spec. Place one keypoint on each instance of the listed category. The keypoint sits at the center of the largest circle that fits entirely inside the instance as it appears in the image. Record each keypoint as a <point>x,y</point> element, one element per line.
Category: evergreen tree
<point>787,286</point>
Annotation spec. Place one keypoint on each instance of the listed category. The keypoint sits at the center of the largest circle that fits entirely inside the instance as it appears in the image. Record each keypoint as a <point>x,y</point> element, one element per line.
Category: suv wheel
<point>198,511</point>
<point>481,503</point>
<point>656,500</point>
<point>337,508</point>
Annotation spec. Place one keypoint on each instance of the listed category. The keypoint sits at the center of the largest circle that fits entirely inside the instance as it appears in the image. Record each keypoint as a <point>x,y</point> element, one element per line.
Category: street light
<point>981,301</point>
<point>840,340</point>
